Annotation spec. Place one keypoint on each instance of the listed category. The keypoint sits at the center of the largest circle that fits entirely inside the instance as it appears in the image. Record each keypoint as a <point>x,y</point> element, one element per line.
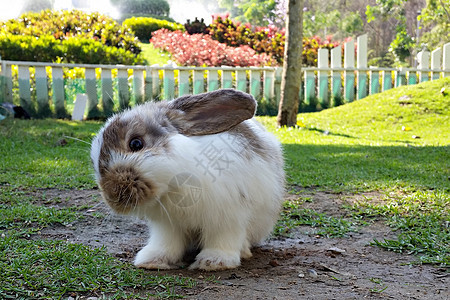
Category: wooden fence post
<point>148,84</point>
<point>387,80</point>
<point>43,107</point>
<point>424,65</point>
<point>436,63</point>
<point>183,82</point>
<point>446,60</point>
<point>24,89</point>
<point>336,82</point>
<point>138,86</point>
<point>310,84</point>
<point>255,82</point>
<point>374,87</point>
<point>58,92</point>
<point>107,92</point>
<point>6,76</point>
<point>169,84</point>
<point>277,84</point>
<point>349,73</point>
<point>2,81</point>
<point>124,92</point>
<point>91,91</point>
<point>227,77</point>
<point>268,84</point>
<point>213,80</point>
<point>400,77</point>
<point>361,63</point>
<point>198,82</point>
<point>322,76</point>
<point>241,80</point>
<point>155,87</point>
<point>412,77</point>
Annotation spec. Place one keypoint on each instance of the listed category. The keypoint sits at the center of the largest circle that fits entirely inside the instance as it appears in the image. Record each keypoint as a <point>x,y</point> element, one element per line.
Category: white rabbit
<point>200,169</point>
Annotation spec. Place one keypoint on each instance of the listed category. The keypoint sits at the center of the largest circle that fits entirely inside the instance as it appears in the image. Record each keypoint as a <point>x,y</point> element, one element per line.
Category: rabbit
<point>200,169</point>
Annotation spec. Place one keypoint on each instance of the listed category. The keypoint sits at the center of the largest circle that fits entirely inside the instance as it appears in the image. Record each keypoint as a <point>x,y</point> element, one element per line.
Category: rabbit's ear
<point>211,112</point>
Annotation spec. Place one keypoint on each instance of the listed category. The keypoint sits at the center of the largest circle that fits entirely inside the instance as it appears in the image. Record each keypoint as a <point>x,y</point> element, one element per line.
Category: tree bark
<point>292,75</point>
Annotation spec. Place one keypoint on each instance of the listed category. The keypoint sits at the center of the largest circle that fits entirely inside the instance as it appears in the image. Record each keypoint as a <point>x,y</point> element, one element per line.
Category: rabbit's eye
<point>136,144</point>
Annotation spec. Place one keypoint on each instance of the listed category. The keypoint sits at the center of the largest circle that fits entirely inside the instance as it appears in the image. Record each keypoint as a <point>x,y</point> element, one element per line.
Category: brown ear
<point>211,112</point>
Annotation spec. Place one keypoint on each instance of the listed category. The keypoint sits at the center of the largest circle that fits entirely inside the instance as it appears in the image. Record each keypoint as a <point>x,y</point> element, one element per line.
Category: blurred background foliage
<point>397,29</point>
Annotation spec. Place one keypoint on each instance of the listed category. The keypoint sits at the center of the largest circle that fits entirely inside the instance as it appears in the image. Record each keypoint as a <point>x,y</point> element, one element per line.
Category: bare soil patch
<point>301,267</point>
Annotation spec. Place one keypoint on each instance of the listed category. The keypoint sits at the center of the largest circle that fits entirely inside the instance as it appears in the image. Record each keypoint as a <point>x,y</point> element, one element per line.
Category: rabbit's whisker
<point>79,140</point>
<point>165,210</point>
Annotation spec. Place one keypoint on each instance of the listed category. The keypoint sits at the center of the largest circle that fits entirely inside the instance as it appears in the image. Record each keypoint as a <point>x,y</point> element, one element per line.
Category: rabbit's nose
<point>125,188</point>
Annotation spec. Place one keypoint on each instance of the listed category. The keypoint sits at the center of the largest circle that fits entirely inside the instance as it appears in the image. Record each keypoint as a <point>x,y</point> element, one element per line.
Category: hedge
<point>69,36</point>
<point>144,27</point>
<point>47,48</point>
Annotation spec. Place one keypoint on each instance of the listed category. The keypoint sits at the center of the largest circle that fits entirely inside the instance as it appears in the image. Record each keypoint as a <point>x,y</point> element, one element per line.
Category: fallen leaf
<point>300,124</point>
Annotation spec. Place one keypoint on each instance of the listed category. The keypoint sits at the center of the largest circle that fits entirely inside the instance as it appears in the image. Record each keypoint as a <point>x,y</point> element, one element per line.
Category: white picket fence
<point>41,88</point>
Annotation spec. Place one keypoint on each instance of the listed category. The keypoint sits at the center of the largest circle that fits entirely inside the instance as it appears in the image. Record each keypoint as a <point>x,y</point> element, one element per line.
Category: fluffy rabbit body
<point>200,169</point>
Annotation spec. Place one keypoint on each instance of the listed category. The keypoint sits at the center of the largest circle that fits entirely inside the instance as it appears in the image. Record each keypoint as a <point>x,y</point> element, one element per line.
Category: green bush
<point>69,36</point>
<point>29,48</point>
<point>144,27</point>
<point>269,40</point>
<point>123,17</point>
<point>84,50</point>
<point>71,50</point>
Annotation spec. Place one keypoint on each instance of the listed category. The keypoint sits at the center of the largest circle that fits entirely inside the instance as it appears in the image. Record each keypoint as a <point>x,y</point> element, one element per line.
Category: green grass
<point>422,219</point>
<point>293,216</point>
<point>354,148</point>
<point>361,147</point>
<point>154,56</point>
<point>53,269</point>
<point>46,153</point>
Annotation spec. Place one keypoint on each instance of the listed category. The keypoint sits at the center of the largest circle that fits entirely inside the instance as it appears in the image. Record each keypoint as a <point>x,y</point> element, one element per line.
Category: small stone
<point>312,273</point>
<point>274,263</point>
<point>61,142</point>
<point>336,250</point>
<point>301,275</point>
<point>405,97</point>
<point>200,277</point>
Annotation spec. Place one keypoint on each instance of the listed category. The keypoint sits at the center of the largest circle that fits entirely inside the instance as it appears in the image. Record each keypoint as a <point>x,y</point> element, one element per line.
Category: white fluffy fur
<point>235,209</point>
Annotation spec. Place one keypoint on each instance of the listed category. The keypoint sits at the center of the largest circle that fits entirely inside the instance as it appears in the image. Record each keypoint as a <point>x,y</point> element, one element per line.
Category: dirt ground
<point>303,267</point>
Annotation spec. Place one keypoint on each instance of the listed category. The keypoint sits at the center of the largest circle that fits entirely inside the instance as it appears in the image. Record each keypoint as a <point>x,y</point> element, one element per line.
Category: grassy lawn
<point>154,56</point>
<point>396,143</point>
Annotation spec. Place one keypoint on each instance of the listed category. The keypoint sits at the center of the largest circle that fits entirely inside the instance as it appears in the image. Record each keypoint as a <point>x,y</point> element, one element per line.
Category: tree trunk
<point>292,74</point>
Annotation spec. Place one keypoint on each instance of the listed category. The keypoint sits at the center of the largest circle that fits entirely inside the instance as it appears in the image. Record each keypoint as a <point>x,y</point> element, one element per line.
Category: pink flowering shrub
<point>202,50</point>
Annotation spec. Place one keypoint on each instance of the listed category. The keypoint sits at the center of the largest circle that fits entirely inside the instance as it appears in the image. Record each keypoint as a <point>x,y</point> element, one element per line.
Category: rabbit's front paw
<point>154,260</point>
<point>214,260</point>
<point>155,265</point>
